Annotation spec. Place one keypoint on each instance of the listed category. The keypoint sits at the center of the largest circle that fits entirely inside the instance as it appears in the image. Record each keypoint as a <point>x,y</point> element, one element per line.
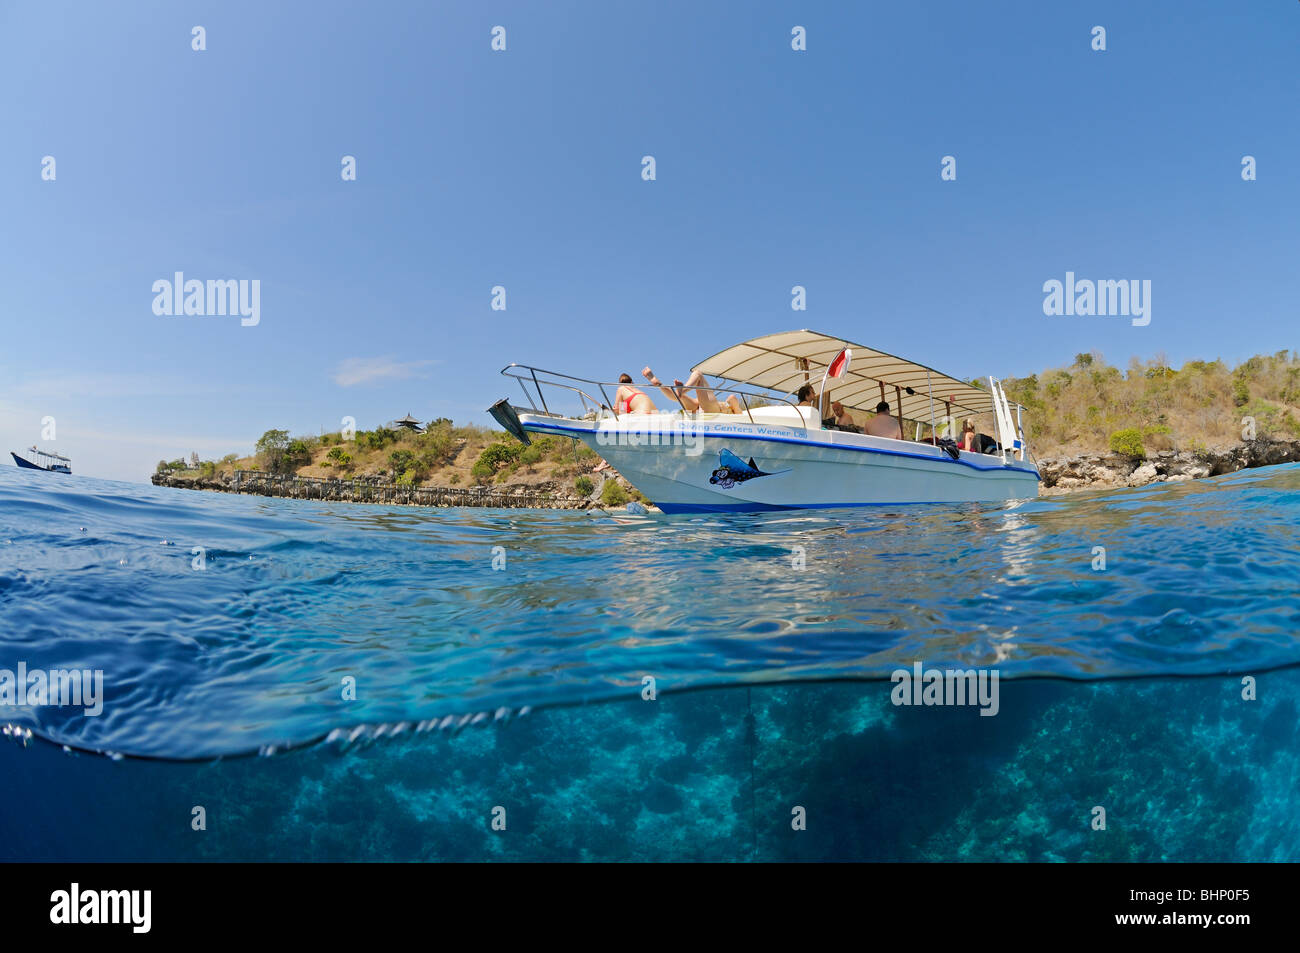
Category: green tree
<point>270,450</point>
<point>402,461</point>
<point>377,439</point>
<point>495,458</point>
<point>297,454</point>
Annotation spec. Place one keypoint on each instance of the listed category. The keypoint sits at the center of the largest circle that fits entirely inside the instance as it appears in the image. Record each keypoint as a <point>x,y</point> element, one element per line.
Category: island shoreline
<point>1060,475</point>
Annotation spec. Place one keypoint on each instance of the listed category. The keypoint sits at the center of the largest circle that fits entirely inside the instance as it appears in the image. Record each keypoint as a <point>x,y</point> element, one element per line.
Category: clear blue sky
<point>523,169</point>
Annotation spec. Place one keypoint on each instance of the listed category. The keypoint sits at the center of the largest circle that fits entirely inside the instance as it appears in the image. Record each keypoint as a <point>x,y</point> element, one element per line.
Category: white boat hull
<point>719,464</point>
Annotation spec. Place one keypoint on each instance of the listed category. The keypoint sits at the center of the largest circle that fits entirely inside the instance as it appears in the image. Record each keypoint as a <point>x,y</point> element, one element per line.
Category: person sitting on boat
<point>883,425</point>
<point>629,400</point>
<point>808,398</point>
<point>969,440</point>
<point>843,419</point>
<point>704,398</point>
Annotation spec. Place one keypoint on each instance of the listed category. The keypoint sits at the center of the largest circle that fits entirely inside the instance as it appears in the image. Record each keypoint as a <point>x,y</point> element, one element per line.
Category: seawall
<point>363,490</point>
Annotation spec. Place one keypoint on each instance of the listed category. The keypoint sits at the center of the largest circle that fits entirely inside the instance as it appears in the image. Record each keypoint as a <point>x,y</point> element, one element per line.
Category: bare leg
<point>675,394</point>
<point>708,403</point>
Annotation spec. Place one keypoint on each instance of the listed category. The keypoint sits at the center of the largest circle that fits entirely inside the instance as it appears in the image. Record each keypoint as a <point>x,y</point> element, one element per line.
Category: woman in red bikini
<point>628,400</point>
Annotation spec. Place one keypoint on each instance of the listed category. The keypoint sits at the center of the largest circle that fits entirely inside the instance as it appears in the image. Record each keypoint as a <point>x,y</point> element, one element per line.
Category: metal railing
<point>1011,435</point>
<point>526,374</point>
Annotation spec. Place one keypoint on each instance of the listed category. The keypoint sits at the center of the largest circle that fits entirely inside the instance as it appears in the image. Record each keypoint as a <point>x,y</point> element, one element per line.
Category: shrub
<point>376,439</point>
<point>583,485</point>
<point>297,454</point>
<point>498,456</point>
<point>611,494</point>
<point>1240,392</point>
<point>1128,442</point>
<point>401,461</point>
<point>340,456</point>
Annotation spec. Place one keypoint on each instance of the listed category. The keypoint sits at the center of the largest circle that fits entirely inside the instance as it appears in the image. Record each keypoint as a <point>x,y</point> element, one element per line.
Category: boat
<point>41,460</point>
<point>777,453</point>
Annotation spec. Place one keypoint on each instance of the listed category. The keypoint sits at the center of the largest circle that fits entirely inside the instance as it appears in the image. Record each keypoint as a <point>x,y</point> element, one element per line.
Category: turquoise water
<point>770,639</point>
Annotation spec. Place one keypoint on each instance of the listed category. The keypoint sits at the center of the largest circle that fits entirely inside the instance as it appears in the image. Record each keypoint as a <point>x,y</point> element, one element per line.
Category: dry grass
<point>1082,407</point>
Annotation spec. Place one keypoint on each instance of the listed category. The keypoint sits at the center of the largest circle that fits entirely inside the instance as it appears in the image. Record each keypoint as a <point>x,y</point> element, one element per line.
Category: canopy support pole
<point>934,434</point>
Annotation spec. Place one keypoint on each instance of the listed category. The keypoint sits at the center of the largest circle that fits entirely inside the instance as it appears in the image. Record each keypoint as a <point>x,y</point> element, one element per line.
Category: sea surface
<point>303,680</point>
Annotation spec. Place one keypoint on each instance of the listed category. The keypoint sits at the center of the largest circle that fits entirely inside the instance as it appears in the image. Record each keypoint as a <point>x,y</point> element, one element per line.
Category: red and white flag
<point>840,365</point>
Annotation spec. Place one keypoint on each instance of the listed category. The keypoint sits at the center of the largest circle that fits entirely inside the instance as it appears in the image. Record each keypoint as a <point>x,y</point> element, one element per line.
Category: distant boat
<point>40,460</point>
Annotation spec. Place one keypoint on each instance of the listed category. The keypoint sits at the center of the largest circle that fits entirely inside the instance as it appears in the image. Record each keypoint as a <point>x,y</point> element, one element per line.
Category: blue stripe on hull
<point>674,508</point>
<point>940,458</point>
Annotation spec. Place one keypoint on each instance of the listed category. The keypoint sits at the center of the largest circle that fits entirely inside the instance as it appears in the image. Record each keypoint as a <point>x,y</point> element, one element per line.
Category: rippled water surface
<point>253,649</point>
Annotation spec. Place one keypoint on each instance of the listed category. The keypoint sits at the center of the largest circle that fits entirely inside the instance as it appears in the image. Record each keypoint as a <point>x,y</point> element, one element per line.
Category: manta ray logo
<point>732,470</point>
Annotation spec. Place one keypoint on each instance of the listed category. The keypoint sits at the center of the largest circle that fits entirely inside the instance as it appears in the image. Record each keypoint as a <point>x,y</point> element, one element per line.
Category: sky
<point>523,168</point>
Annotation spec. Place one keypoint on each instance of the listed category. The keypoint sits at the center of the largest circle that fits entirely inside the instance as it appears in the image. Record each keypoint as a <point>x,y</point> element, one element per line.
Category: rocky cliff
<point>1106,470</point>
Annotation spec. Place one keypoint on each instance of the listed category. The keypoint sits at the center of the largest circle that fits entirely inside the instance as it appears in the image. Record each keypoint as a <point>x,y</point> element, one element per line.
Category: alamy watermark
<point>214,297</point>
<point>953,687</point>
<point>58,688</point>
<point>658,430</point>
<point>1131,298</point>
<point>99,907</point>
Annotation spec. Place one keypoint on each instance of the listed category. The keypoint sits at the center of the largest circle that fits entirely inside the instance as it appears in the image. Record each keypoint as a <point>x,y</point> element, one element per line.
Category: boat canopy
<point>775,362</point>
